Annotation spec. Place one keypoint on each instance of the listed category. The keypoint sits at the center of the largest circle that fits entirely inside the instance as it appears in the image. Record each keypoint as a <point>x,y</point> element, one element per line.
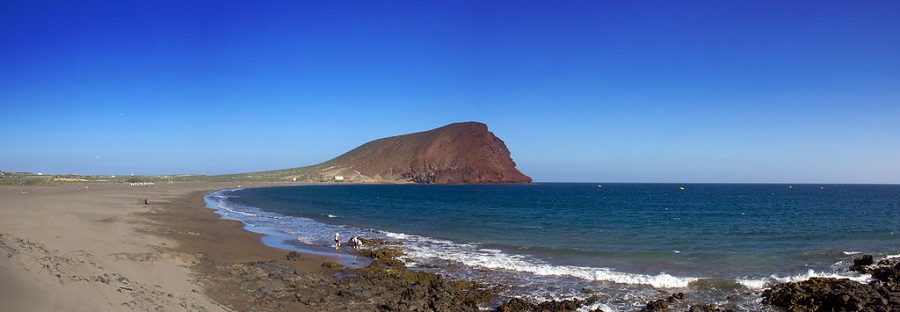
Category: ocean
<point>629,243</point>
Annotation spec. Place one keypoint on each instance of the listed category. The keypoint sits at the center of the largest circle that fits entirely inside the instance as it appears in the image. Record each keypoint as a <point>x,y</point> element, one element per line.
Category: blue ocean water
<point>555,240</point>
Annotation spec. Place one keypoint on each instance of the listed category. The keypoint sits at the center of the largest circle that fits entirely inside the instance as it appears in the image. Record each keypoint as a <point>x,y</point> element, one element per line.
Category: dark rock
<point>294,256</point>
<point>703,307</point>
<point>657,305</point>
<point>887,271</point>
<point>384,257</point>
<point>377,242</point>
<point>859,264</point>
<point>267,286</point>
<point>831,294</point>
<point>516,305</point>
<point>520,305</point>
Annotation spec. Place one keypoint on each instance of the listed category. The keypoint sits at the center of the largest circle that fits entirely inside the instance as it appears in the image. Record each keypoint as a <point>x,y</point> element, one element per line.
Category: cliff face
<point>457,153</point>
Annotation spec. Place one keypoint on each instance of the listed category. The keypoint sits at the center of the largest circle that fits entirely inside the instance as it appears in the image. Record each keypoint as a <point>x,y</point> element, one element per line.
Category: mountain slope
<point>457,153</point>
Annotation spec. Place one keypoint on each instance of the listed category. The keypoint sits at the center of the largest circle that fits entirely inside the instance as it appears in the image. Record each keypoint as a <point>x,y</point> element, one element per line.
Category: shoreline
<point>103,249</point>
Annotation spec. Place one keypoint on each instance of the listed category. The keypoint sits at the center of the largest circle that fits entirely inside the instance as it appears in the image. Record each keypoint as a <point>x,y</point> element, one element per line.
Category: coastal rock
<point>708,307</point>
<point>521,305</point>
<point>832,294</point>
<point>458,153</point>
<point>384,257</point>
<point>294,256</point>
<point>676,296</point>
<point>657,305</point>
<point>272,285</point>
<point>887,271</point>
<point>859,264</point>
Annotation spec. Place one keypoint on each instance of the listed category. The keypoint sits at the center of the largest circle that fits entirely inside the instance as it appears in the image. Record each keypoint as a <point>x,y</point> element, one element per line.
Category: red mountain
<point>457,153</point>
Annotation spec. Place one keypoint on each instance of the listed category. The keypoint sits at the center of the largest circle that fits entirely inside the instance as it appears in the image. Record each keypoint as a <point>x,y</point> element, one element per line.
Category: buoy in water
<point>681,188</point>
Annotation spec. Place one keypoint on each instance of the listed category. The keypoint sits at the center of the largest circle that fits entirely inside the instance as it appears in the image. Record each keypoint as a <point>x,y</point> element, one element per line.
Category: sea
<point>624,243</point>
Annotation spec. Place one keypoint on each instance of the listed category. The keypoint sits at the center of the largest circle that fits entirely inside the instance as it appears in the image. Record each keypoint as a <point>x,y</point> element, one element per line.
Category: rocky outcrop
<point>273,285</point>
<point>458,153</point>
<point>833,294</point>
<point>522,305</point>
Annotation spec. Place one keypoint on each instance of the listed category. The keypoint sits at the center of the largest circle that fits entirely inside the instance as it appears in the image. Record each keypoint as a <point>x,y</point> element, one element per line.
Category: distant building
<point>339,178</point>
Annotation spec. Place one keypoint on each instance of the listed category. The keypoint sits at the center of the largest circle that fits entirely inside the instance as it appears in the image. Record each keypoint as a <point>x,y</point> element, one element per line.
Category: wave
<point>762,283</point>
<point>419,248</point>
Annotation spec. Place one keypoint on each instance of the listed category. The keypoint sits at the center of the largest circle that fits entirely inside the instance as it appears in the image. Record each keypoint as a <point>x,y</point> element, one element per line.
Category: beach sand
<point>102,249</point>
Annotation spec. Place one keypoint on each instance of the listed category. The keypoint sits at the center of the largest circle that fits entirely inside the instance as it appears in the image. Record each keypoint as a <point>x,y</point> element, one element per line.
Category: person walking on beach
<point>337,239</point>
<point>146,202</point>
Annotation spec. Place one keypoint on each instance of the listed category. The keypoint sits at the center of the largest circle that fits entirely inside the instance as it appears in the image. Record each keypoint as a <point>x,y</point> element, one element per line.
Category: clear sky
<point>600,91</point>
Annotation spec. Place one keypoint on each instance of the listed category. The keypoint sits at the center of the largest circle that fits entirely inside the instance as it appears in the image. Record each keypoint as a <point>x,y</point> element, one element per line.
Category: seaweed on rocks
<point>384,257</point>
<point>376,242</point>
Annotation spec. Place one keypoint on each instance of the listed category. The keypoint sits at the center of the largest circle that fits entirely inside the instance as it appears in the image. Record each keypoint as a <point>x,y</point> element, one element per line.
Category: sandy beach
<point>102,249</point>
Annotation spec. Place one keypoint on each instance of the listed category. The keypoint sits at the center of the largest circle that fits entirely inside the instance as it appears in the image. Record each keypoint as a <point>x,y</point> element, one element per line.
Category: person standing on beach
<point>337,239</point>
<point>146,202</point>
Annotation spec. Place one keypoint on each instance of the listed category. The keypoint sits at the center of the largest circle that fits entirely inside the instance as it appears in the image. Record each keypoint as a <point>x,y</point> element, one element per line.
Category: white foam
<point>396,235</point>
<point>471,255</point>
<point>861,278</point>
<point>757,284</point>
<point>850,253</point>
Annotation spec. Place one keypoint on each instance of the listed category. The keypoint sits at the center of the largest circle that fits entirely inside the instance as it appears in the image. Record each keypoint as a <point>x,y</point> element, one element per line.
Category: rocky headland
<point>459,153</point>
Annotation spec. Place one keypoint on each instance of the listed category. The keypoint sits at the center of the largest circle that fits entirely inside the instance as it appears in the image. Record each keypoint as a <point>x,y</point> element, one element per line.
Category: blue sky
<point>611,91</point>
